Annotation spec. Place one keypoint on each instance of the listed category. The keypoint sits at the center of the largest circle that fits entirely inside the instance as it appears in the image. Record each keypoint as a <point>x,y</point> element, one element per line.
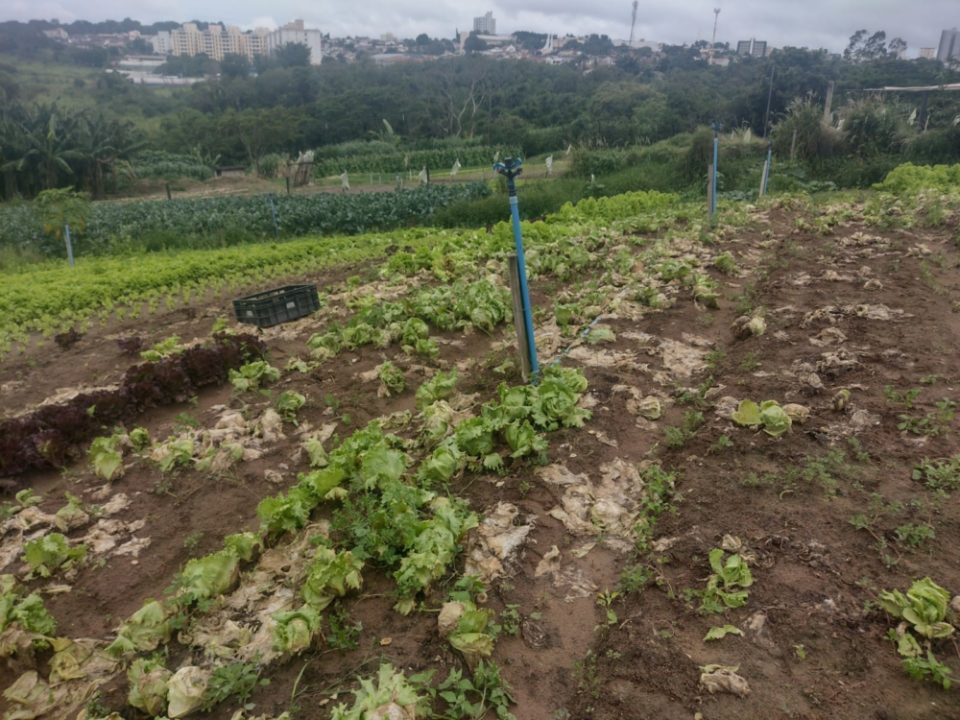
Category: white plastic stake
<point>66,236</point>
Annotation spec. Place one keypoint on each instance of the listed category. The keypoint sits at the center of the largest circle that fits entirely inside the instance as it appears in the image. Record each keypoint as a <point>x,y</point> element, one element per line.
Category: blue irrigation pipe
<point>510,168</point>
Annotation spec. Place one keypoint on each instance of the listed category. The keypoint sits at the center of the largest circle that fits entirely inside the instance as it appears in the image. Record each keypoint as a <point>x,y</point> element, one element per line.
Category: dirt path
<point>856,310</point>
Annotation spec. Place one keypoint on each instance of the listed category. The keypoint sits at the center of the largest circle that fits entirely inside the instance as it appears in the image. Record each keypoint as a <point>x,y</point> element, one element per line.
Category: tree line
<point>285,106</point>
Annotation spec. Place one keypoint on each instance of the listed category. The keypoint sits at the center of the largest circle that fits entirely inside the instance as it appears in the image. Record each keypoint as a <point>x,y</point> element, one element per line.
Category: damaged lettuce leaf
<point>244,545</point>
<point>726,587</point>
<point>72,515</point>
<point>295,630</point>
<point>329,576</point>
<point>719,633</point>
<point>601,334</point>
<point>389,696</point>
<point>775,420</point>
<point>139,439</point>
<point>146,629</point>
<point>474,631</point>
<point>27,612</point>
<point>440,387</point>
<point>27,498</point>
<point>227,455</point>
<point>289,404</point>
<point>209,576</point>
<point>747,414</point>
<point>705,290</point>
<point>148,679</point>
<point>106,457</point>
<point>175,452</point>
<point>51,552</point>
<point>78,660</point>
<point>316,454</point>
<point>253,375</point>
<point>445,461</point>
<point>437,422</point>
<point>186,690</point>
<point>433,550</point>
<point>924,607</point>
<point>769,414</point>
<point>29,697</point>
<point>286,512</point>
<point>392,378</point>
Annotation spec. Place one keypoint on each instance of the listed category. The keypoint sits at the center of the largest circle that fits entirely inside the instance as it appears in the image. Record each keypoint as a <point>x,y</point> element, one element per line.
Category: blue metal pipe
<point>524,293</point>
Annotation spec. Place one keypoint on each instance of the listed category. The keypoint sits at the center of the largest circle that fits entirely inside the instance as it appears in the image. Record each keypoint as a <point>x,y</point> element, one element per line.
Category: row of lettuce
<point>51,298</point>
<point>391,509</point>
<point>388,498</point>
<point>379,488</point>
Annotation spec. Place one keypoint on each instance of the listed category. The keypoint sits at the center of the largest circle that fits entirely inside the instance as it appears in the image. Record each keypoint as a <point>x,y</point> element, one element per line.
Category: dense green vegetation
<point>118,228</point>
<point>364,118</point>
<point>387,157</point>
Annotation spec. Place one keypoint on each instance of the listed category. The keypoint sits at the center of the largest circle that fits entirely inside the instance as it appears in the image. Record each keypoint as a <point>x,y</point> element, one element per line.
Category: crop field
<point>118,227</point>
<point>731,494</point>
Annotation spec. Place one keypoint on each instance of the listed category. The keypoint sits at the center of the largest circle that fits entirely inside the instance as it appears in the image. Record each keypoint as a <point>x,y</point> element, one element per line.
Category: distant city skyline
<point>813,23</point>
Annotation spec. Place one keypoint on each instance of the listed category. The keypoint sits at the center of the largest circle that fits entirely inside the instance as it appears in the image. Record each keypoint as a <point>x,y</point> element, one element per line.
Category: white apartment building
<point>295,32</point>
<point>161,43</point>
<point>485,25</point>
<point>216,41</point>
<point>949,46</point>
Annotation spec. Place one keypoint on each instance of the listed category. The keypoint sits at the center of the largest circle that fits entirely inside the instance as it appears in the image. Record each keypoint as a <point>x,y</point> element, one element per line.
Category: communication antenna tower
<point>633,22</point>
<point>716,19</point>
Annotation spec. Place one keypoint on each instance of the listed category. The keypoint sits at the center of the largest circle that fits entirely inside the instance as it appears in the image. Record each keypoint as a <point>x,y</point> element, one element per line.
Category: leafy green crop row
<point>159,164</point>
<point>388,513</point>
<point>118,227</point>
<point>914,178</point>
<point>51,297</point>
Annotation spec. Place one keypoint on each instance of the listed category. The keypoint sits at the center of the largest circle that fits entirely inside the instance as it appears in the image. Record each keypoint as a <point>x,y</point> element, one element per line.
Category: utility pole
<point>633,22</point>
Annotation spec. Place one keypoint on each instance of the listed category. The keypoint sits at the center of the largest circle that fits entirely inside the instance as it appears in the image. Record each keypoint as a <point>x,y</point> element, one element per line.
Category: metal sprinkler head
<point>509,167</point>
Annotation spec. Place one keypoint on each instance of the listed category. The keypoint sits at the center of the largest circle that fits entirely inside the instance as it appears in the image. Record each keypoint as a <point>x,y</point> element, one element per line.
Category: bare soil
<point>813,646</point>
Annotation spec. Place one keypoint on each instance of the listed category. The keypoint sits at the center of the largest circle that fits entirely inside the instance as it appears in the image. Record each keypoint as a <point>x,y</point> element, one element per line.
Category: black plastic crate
<point>277,306</point>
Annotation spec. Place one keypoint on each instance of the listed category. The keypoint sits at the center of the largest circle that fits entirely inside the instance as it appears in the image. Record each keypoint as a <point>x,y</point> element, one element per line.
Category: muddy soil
<point>814,643</point>
<point>824,512</point>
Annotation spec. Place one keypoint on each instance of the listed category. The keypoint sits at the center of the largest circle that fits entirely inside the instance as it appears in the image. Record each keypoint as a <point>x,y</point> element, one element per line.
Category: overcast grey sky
<point>810,23</point>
